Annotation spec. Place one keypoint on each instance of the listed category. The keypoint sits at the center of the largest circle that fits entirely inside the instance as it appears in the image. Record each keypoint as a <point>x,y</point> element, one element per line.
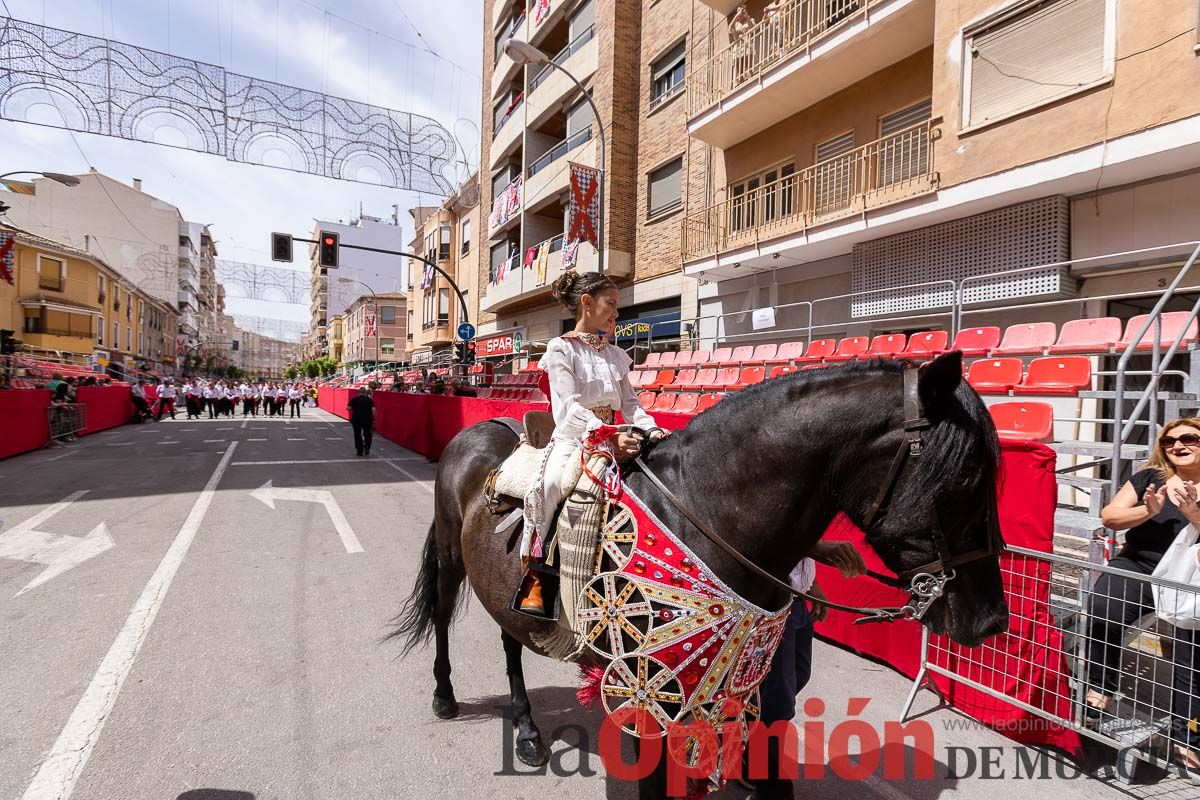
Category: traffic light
<point>281,247</point>
<point>8,345</point>
<point>328,245</point>
<point>465,351</point>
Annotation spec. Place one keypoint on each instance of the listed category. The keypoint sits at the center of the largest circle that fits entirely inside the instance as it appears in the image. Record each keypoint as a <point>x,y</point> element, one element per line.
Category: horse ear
<point>940,378</point>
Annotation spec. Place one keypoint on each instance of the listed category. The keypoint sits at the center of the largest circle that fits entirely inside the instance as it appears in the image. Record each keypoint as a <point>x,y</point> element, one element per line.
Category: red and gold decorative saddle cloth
<point>681,646</point>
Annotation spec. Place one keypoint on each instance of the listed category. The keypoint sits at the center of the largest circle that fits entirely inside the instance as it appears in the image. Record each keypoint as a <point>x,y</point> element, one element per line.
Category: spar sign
<point>502,344</point>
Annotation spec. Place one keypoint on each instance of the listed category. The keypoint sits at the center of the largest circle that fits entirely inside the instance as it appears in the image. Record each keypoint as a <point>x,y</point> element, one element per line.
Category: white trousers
<point>540,511</point>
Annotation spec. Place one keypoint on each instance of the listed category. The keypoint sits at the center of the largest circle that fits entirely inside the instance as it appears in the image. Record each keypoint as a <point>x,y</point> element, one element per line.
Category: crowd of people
<point>224,398</point>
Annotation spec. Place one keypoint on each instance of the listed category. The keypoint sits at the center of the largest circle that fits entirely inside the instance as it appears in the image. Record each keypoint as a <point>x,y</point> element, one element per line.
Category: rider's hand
<point>817,609</point>
<point>627,445</point>
<point>842,555</point>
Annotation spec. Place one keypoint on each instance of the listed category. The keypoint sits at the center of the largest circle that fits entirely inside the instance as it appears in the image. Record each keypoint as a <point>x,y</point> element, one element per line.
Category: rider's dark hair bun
<point>570,287</point>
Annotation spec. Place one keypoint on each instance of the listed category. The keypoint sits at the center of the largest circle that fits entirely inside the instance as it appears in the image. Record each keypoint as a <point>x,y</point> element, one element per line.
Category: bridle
<point>924,584</point>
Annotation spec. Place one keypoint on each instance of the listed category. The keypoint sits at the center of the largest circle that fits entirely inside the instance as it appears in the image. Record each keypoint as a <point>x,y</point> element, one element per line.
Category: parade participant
<point>280,399</point>
<point>191,398</point>
<point>362,419</point>
<point>166,399</point>
<point>1153,506</point>
<point>210,400</point>
<point>589,383</point>
<point>294,394</point>
<point>141,408</point>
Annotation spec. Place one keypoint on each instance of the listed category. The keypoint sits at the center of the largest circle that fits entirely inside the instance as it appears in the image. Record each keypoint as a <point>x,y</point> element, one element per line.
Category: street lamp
<point>525,53</point>
<point>375,297</point>
<point>65,180</point>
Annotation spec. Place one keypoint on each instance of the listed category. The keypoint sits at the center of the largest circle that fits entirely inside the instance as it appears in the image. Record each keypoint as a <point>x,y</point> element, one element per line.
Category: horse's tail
<point>414,623</point>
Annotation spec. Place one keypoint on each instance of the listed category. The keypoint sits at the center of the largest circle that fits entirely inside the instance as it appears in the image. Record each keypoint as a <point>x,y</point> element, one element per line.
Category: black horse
<point>768,468</point>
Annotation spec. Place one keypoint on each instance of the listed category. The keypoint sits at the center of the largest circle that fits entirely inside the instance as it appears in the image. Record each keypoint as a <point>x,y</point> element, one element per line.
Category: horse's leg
<point>654,785</point>
<point>449,579</point>
<point>530,749</point>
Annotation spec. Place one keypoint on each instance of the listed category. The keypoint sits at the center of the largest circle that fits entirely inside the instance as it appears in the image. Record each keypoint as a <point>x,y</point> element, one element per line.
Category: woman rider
<point>589,383</point>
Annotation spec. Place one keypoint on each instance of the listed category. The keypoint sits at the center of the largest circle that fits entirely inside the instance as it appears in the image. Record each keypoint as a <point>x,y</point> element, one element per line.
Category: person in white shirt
<point>294,395</point>
<point>166,399</point>
<point>247,399</point>
<point>280,399</point>
<point>140,406</point>
<point>191,399</point>
<point>589,384</point>
<point>210,400</point>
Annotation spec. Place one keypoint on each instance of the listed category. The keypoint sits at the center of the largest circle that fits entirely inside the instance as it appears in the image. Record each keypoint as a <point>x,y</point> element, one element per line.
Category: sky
<point>410,55</point>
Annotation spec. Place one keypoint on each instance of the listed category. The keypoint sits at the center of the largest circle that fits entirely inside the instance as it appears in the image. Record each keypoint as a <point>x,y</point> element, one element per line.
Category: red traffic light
<point>329,241</point>
<point>328,256</point>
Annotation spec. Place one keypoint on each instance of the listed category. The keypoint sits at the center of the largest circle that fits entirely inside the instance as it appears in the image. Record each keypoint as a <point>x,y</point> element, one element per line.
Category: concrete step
<point>1078,524</point>
<point>1100,449</point>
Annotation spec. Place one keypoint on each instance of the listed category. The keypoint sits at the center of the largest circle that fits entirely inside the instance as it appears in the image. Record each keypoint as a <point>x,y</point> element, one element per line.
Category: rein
<point>926,583</point>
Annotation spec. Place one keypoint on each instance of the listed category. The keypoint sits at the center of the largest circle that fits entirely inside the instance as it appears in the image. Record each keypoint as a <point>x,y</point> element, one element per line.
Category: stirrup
<point>549,583</point>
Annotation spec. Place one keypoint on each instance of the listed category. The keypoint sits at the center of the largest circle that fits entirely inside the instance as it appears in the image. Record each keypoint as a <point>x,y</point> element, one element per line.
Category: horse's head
<point>939,512</point>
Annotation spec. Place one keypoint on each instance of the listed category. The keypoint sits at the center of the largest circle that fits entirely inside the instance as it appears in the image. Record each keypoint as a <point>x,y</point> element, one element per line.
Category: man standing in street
<point>362,418</point>
<point>166,400</point>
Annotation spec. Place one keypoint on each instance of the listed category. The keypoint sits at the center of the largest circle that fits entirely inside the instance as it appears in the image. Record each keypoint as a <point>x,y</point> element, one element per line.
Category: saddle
<point>507,485</point>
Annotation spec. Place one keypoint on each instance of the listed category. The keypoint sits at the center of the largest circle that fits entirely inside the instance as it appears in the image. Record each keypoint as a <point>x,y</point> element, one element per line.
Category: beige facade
<point>375,329</point>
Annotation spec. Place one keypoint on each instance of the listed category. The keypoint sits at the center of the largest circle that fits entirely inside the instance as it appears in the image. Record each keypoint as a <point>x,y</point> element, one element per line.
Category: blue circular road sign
<point>466,331</point>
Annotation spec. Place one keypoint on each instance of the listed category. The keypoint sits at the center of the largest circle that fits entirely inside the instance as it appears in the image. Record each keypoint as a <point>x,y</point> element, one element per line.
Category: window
<point>443,306</point>
<point>499,255</point>
<point>466,237</point>
<point>583,18</point>
<point>387,347</point>
<point>387,315</point>
<point>443,241</point>
<point>117,335</point>
<point>665,187</point>
<point>100,333</point>
<point>833,179</point>
<point>762,197</point>
<point>142,342</point>
<point>430,244</point>
<point>1034,55</point>
<point>906,153</point>
<point>501,180</point>
<point>100,295</point>
<point>129,339</point>
<point>52,273</point>
<point>666,76</point>
<point>579,117</point>
<point>128,307</point>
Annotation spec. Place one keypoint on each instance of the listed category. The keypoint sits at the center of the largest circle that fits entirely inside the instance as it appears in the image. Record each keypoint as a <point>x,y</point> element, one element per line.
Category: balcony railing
<point>78,333</point>
<point>503,118</point>
<point>518,261</point>
<point>794,28</point>
<point>559,150</point>
<point>561,56</point>
<point>885,171</point>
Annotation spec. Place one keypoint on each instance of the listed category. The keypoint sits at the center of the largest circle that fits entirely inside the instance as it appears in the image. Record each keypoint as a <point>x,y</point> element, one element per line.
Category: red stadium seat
<point>995,375</point>
<point>926,343</point>
<point>975,342</point>
<point>818,350</point>
<point>700,357</point>
<point>686,403</point>
<point>807,367</point>
<point>669,359</point>
<point>1062,375</point>
<point>1024,420</point>
<point>665,402</point>
<point>782,369</point>
<point>704,377</point>
<point>709,400</point>
<point>727,378</point>
<point>646,399</point>
<point>1172,324</point>
<point>720,356</point>
<point>787,353</point>
<point>652,361</point>
<point>888,345</point>
<point>762,354</point>
<point>751,376</point>
<point>665,377</point>
<point>850,348</point>
<point>742,354</point>
<point>1087,336</point>
<point>636,377</point>
<point>1027,339</point>
<point>684,379</point>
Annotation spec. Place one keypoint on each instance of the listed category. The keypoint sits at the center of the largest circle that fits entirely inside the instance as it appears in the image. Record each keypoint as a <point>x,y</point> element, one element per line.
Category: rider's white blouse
<point>582,378</point>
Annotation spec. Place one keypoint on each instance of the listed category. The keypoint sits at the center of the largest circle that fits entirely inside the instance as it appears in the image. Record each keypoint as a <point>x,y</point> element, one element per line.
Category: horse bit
<point>927,582</point>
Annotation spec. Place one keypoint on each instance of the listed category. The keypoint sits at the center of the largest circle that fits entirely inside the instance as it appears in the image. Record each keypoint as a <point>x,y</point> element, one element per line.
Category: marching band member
<point>191,399</point>
<point>589,383</point>
<point>294,395</point>
<point>210,400</point>
<point>166,399</point>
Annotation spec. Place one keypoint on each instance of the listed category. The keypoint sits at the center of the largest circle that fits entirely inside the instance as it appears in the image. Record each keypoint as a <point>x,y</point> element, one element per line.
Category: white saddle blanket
<point>521,470</point>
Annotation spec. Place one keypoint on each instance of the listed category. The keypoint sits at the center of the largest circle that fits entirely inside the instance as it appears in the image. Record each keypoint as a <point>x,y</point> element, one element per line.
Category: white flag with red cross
<point>583,213</point>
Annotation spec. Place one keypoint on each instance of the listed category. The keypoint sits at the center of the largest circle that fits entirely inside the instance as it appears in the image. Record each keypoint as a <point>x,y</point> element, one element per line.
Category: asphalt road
<point>222,649</point>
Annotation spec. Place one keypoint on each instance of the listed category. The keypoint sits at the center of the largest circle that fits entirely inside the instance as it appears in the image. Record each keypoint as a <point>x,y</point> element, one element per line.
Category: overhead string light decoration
<point>88,84</point>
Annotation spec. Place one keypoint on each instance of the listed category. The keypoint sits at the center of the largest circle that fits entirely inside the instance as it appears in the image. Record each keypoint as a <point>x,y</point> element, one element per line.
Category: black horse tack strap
<point>926,583</point>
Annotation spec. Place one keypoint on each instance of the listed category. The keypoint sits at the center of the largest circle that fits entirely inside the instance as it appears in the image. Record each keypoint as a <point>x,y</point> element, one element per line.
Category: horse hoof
<point>445,707</point>
<point>532,753</point>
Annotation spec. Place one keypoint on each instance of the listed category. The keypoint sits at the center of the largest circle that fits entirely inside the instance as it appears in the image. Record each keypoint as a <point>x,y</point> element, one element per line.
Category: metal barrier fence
<point>67,419</point>
<point>1081,636</point>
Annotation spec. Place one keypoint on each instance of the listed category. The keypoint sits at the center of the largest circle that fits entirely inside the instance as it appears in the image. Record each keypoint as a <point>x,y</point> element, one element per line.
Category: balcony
<point>505,67</point>
<point>523,283</point>
<point>506,208</point>
<point>809,50</point>
<point>543,14</point>
<point>508,134</point>
<point>548,175</point>
<point>550,86</point>
<point>886,171</point>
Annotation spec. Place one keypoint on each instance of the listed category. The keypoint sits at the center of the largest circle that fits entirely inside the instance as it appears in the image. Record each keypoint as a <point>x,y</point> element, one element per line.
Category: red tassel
<point>589,686</point>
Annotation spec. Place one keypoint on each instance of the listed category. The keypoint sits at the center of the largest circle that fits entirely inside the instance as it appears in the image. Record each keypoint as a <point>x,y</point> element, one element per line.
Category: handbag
<point>1176,606</point>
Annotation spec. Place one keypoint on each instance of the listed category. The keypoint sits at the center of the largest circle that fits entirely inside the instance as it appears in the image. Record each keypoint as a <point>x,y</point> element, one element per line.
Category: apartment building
<point>447,235</point>
<point>878,151</point>
<point>66,302</point>
<point>259,356</point>
<point>333,291</point>
<point>375,329</point>
<point>631,58</point>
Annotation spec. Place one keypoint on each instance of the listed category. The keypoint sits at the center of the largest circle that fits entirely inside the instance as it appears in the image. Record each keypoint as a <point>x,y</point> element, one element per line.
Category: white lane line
<point>245,422</point>
<point>224,429</point>
<point>59,772</point>
<point>333,438</point>
<point>297,439</point>
<point>256,440</point>
<point>316,461</point>
<point>213,441</point>
<point>64,455</point>
<point>426,485</point>
<point>119,444</point>
<point>170,442</point>
<point>186,430</point>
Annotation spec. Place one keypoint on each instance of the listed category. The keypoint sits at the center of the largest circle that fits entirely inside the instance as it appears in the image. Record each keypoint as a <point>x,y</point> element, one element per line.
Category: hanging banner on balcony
<point>540,9</point>
<point>369,326</point>
<point>8,244</point>
<point>583,213</point>
<point>427,277</point>
<point>506,205</point>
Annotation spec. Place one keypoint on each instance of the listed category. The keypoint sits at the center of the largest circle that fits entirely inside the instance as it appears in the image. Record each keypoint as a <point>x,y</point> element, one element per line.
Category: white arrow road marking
<point>25,542</point>
<point>268,494</point>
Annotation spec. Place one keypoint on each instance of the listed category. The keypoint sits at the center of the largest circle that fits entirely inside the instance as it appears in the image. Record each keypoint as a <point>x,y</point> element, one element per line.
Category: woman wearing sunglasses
<point>1153,506</point>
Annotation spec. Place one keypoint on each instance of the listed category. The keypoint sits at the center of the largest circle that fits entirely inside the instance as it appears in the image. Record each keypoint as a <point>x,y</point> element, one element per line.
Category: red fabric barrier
<point>107,406</point>
<point>24,420</point>
<point>1026,663</point>
<point>426,424</point>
